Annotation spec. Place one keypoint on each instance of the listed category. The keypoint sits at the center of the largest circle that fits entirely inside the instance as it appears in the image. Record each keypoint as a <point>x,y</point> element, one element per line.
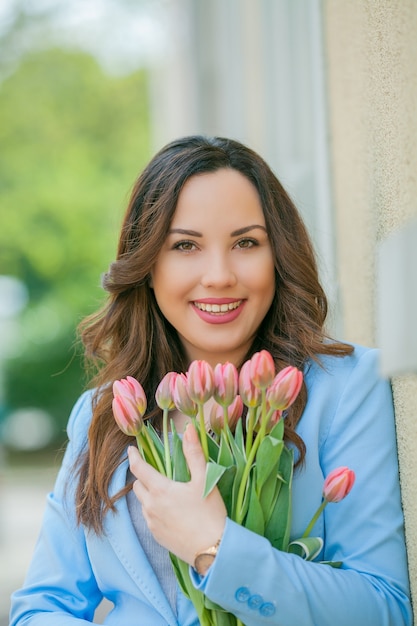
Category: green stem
<point>203,433</point>
<point>157,461</point>
<point>315,518</point>
<point>225,417</point>
<point>143,446</point>
<point>168,465</point>
<point>250,459</point>
<point>249,430</point>
<point>245,476</point>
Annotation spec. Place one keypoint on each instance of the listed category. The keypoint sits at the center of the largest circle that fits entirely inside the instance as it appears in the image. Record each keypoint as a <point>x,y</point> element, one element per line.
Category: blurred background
<point>90,89</point>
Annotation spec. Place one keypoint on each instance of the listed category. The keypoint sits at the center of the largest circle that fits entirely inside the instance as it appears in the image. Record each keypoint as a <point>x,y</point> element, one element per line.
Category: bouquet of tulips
<point>251,466</point>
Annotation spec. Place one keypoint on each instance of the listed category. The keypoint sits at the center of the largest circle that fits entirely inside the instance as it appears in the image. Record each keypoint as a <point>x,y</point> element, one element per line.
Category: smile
<point>217,308</point>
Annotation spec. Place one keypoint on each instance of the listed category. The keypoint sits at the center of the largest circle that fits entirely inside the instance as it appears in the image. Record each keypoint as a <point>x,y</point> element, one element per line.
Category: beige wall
<point>371,50</point>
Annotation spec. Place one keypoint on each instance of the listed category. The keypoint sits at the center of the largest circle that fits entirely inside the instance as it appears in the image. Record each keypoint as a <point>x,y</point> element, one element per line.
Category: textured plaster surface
<point>371,50</point>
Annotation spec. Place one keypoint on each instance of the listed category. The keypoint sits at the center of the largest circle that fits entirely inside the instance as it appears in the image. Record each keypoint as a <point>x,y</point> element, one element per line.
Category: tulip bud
<point>181,396</point>
<point>338,484</point>
<point>284,388</point>
<point>234,413</point>
<point>251,395</point>
<point>132,390</point>
<point>164,393</point>
<point>273,420</point>
<point>200,377</point>
<point>226,381</point>
<point>129,405</point>
<point>262,369</point>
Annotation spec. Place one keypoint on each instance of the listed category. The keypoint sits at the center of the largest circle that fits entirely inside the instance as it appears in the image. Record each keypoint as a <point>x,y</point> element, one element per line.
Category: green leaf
<point>214,472</point>
<point>306,547</point>
<point>179,574</point>
<point>237,447</point>
<point>181,473</point>
<point>335,564</point>
<point>225,486</point>
<point>278,430</point>
<point>238,437</point>
<point>267,459</point>
<point>269,495</point>
<point>279,525</point>
<point>213,448</point>
<point>254,519</point>
<point>225,457</point>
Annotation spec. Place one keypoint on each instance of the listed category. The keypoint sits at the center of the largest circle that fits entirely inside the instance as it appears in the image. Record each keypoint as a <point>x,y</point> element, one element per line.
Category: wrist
<point>204,559</point>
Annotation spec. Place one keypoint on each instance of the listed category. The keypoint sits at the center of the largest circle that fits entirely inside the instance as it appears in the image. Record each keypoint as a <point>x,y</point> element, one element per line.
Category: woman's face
<point>214,277</point>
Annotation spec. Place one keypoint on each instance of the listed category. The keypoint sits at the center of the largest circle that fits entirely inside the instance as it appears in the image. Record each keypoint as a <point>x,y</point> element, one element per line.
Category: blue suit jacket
<point>349,421</point>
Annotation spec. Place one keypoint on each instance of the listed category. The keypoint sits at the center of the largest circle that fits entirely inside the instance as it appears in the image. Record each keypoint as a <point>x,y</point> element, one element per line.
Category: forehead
<point>220,194</point>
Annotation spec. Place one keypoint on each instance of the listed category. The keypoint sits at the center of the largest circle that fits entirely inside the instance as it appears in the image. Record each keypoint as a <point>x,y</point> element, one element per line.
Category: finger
<point>135,460</point>
<point>141,469</point>
<point>193,453</point>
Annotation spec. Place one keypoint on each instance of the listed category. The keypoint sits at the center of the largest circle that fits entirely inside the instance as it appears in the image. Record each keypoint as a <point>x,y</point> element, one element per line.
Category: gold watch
<point>205,558</point>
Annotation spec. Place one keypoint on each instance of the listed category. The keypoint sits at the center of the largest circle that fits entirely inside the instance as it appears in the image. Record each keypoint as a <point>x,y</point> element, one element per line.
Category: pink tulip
<point>165,391</point>
<point>273,420</point>
<point>132,390</point>
<point>284,388</point>
<point>129,405</point>
<point>200,377</point>
<point>226,382</point>
<point>262,369</point>
<point>251,395</point>
<point>234,413</point>
<point>338,484</point>
<point>181,396</point>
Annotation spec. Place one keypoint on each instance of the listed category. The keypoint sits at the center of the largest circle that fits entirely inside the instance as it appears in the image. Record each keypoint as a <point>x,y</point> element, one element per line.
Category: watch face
<point>203,562</point>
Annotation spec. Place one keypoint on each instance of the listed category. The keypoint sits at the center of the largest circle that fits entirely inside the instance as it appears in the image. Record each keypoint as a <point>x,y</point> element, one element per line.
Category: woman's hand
<point>177,515</point>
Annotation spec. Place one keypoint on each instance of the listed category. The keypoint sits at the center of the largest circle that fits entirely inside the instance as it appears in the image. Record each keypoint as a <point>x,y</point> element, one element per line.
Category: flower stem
<point>315,518</point>
<point>250,459</point>
<point>225,417</point>
<point>249,430</point>
<point>168,465</point>
<point>157,461</point>
<point>203,433</point>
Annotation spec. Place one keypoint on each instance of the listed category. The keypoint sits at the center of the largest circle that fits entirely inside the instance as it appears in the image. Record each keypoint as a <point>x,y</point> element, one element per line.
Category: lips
<point>218,311</point>
<point>214,307</point>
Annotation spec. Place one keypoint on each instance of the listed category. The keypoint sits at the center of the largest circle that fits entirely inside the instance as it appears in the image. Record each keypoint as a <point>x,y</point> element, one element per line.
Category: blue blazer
<point>349,421</point>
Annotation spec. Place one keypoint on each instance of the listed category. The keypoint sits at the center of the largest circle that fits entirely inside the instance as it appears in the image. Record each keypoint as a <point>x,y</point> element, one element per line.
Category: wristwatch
<point>205,558</point>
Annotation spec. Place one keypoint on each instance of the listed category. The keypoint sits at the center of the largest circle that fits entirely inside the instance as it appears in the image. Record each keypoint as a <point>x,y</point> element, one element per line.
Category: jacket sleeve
<point>60,587</point>
<point>262,585</point>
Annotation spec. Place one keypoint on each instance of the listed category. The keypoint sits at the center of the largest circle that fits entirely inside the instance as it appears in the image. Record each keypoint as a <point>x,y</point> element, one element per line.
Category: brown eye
<point>186,246</point>
<point>246,243</point>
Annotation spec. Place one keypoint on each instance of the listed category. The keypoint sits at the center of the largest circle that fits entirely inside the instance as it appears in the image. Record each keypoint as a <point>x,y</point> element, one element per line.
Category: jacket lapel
<point>121,534</point>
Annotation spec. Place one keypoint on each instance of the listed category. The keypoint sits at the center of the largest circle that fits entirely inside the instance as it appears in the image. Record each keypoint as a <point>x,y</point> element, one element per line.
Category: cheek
<point>261,278</point>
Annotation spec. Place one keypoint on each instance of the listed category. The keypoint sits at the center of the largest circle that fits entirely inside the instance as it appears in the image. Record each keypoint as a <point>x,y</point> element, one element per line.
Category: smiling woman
<point>214,263</point>
<point>214,279</point>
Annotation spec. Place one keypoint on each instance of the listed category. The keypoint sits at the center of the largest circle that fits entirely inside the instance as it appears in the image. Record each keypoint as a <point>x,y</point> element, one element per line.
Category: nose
<point>218,272</point>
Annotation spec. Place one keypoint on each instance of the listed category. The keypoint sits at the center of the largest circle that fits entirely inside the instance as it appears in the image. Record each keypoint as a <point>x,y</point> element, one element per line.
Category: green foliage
<point>72,139</point>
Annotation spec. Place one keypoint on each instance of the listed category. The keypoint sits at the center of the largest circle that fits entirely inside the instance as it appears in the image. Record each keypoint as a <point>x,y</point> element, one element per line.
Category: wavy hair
<point>130,336</point>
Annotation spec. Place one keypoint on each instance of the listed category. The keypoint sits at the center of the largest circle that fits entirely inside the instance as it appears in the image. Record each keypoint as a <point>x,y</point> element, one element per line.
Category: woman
<point>214,263</point>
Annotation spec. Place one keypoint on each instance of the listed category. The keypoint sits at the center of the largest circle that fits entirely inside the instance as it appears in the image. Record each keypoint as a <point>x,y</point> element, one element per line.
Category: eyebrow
<point>235,233</point>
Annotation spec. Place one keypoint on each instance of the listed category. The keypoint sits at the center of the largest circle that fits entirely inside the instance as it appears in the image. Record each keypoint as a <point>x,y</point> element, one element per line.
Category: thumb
<point>193,453</point>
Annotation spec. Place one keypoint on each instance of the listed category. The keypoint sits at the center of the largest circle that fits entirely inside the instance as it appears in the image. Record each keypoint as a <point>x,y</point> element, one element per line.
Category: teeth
<point>217,308</point>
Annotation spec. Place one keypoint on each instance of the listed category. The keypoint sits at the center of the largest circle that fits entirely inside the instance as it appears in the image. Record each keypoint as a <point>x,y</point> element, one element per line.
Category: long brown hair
<point>130,336</point>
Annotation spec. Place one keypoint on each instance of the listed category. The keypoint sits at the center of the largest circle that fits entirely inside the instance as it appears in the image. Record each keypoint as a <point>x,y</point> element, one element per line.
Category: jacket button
<point>267,609</point>
<point>242,594</point>
<point>255,601</point>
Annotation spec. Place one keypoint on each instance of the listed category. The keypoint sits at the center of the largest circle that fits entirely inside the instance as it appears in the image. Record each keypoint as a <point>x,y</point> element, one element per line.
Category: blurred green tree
<point>72,142</point>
